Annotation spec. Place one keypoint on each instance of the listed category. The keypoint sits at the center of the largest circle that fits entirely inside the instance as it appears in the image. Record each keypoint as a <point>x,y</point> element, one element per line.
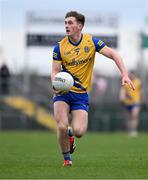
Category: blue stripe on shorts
<point>76,101</point>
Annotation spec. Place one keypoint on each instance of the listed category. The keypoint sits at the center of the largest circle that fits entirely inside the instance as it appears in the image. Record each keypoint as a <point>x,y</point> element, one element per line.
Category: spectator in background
<point>101,85</point>
<point>132,102</point>
<point>4,79</point>
<point>99,88</point>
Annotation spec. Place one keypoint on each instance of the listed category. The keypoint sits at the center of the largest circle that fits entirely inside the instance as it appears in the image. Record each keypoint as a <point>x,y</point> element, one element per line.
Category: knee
<point>79,132</point>
<point>62,127</point>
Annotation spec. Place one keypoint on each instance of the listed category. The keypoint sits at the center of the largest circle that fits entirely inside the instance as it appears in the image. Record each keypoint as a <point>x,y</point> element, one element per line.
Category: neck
<point>76,38</point>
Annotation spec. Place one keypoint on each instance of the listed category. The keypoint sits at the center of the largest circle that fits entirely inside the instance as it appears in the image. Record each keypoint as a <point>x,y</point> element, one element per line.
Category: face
<point>72,27</point>
<point>131,75</point>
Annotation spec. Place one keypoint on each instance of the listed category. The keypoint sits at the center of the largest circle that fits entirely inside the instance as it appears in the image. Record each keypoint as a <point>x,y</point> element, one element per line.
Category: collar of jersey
<point>76,44</point>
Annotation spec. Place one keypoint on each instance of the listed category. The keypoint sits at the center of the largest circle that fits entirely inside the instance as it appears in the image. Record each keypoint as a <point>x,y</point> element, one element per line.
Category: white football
<point>63,81</point>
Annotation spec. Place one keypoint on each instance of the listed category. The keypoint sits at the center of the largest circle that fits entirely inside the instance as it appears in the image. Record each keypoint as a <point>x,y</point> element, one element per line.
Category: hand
<point>57,92</point>
<point>126,79</point>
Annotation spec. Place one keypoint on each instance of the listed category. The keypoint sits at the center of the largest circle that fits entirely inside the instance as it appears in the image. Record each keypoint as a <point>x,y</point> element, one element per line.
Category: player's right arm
<point>57,61</point>
<point>56,66</point>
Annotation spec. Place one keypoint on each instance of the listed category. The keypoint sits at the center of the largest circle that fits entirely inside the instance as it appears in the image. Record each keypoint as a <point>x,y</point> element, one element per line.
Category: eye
<point>70,22</point>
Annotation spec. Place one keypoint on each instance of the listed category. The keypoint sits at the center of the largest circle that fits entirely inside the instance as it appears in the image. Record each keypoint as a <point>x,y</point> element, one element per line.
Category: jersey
<point>78,59</point>
<point>133,97</point>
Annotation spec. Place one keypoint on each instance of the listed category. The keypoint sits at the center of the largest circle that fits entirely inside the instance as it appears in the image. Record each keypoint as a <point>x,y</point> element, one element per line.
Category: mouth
<point>67,31</point>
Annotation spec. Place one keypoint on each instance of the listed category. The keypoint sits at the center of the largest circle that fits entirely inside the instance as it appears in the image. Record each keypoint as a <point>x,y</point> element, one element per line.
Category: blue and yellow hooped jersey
<point>78,59</point>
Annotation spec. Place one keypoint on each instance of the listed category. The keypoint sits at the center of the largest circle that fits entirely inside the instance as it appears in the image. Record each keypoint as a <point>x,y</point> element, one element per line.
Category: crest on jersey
<point>86,49</point>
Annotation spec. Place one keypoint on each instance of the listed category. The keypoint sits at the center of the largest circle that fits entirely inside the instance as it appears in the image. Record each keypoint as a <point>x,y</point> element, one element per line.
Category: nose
<point>66,26</point>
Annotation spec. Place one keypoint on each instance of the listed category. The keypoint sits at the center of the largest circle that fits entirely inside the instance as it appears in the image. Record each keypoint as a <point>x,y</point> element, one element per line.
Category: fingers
<point>132,86</point>
<point>59,92</point>
<point>129,83</point>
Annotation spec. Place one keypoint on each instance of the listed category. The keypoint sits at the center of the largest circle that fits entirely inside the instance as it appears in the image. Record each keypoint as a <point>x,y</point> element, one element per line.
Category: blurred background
<point>29,29</point>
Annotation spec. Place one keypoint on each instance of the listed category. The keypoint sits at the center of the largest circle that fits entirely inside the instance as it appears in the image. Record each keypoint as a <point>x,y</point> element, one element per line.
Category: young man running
<point>75,54</point>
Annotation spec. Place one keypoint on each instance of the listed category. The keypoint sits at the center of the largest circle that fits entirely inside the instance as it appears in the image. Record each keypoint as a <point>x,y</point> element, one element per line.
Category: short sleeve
<point>56,53</point>
<point>99,44</point>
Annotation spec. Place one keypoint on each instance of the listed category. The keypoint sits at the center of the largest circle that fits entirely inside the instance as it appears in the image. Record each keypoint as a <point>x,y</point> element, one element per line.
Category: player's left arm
<point>112,54</point>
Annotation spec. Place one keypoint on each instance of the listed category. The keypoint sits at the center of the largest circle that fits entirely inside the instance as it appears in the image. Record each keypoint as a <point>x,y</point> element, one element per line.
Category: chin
<point>68,34</point>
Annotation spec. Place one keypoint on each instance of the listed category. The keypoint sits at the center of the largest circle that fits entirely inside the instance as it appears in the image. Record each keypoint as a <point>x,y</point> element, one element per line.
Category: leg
<point>79,122</point>
<point>133,120</point>
<point>61,111</point>
<point>128,121</point>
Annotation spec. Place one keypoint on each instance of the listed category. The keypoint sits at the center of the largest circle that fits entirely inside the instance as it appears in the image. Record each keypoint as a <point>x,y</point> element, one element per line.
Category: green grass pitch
<point>36,155</point>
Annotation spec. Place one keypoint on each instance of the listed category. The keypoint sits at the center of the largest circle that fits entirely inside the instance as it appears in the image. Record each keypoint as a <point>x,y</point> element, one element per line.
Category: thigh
<point>79,119</point>
<point>135,111</point>
<point>61,111</point>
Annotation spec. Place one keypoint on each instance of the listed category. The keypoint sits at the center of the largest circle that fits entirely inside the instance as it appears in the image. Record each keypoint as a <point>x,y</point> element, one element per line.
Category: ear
<point>80,26</point>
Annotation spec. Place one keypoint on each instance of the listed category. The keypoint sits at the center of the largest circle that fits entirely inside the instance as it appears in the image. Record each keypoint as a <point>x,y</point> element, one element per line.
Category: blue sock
<point>66,155</point>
